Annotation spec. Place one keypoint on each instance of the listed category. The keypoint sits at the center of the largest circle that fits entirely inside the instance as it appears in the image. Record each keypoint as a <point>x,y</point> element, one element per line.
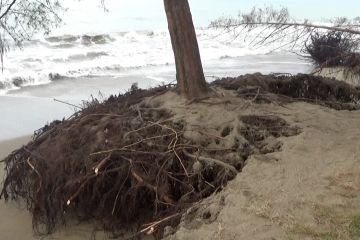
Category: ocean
<point>77,67</point>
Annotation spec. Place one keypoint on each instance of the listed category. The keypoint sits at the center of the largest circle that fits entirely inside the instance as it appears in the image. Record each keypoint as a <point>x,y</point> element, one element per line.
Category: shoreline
<point>11,144</point>
<point>14,214</point>
<point>31,107</point>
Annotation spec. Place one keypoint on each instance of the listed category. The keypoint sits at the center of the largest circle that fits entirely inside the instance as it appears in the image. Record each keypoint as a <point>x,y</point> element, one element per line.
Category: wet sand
<point>7,146</point>
<point>15,220</point>
<point>15,223</point>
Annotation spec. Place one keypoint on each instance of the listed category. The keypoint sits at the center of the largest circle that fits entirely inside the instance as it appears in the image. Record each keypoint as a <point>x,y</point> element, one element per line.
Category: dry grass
<point>331,224</point>
<point>346,184</point>
<point>354,227</point>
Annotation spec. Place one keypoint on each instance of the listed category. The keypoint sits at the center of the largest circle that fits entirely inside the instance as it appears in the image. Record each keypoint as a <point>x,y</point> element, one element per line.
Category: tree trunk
<point>189,71</point>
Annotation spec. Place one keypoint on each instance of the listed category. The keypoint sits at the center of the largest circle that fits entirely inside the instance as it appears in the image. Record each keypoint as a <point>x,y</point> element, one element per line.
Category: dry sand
<point>308,190</point>
<point>340,74</point>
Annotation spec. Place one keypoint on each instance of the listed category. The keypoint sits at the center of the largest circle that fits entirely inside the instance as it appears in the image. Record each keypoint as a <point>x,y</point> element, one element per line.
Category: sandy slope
<point>339,73</point>
<point>309,190</point>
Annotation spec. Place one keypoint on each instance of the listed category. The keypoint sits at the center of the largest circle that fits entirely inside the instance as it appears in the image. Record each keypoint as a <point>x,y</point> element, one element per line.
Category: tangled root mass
<point>123,162</point>
<point>119,162</point>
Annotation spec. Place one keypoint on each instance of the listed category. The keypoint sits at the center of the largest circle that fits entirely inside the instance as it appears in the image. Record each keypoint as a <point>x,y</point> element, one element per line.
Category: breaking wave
<point>42,61</point>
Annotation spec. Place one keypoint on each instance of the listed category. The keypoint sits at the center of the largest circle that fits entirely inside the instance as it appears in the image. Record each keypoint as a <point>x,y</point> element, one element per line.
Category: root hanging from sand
<point>113,162</point>
<point>127,161</point>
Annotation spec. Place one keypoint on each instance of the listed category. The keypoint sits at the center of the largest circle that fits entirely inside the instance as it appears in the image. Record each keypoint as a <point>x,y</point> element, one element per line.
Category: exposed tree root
<point>126,162</point>
<point>118,162</point>
<point>302,87</point>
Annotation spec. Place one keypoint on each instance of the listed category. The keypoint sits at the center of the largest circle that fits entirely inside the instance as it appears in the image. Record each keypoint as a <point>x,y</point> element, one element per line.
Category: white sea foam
<point>69,56</point>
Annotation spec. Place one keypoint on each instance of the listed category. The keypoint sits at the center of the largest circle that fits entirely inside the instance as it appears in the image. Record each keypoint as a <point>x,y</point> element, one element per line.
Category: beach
<point>41,99</point>
<point>272,195</point>
<point>307,190</point>
<point>15,221</point>
<point>307,187</point>
<point>30,107</point>
<point>12,214</point>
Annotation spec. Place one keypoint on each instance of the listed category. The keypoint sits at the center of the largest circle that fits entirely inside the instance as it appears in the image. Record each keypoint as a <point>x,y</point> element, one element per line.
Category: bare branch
<point>20,20</point>
<point>277,24</point>
<point>333,44</point>
<point>8,9</point>
<point>279,19</point>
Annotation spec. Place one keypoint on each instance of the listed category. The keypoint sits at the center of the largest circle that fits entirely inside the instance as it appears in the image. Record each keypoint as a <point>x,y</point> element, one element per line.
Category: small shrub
<point>332,48</point>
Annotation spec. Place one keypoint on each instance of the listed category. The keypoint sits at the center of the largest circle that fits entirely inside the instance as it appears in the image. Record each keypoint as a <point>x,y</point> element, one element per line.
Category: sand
<point>308,190</point>
<point>339,73</point>
<point>11,215</point>
<point>15,221</point>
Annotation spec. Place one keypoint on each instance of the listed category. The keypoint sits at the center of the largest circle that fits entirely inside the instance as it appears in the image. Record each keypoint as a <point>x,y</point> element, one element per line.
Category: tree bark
<point>189,71</point>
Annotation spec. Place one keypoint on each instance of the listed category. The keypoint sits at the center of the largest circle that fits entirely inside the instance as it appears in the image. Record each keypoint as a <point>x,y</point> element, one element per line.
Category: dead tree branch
<point>278,23</point>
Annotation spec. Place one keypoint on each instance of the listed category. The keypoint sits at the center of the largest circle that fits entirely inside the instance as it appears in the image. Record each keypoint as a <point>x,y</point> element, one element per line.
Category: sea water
<point>75,67</point>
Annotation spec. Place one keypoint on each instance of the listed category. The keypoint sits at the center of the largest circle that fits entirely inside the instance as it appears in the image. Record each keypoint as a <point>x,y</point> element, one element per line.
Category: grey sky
<point>124,15</point>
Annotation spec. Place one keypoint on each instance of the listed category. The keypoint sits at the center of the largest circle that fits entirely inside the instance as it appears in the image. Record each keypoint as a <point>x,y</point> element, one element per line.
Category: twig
<point>37,173</point>
<point>141,181</point>
<point>8,9</point>
<point>70,104</point>
<point>126,148</point>
<point>174,145</point>
<point>33,167</point>
<point>72,197</point>
<point>102,162</point>
<point>108,115</point>
<point>145,127</point>
<point>117,195</point>
<point>151,226</point>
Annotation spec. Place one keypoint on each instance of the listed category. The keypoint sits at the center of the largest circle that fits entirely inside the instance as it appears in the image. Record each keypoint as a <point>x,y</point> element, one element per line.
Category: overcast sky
<point>126,15</point>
